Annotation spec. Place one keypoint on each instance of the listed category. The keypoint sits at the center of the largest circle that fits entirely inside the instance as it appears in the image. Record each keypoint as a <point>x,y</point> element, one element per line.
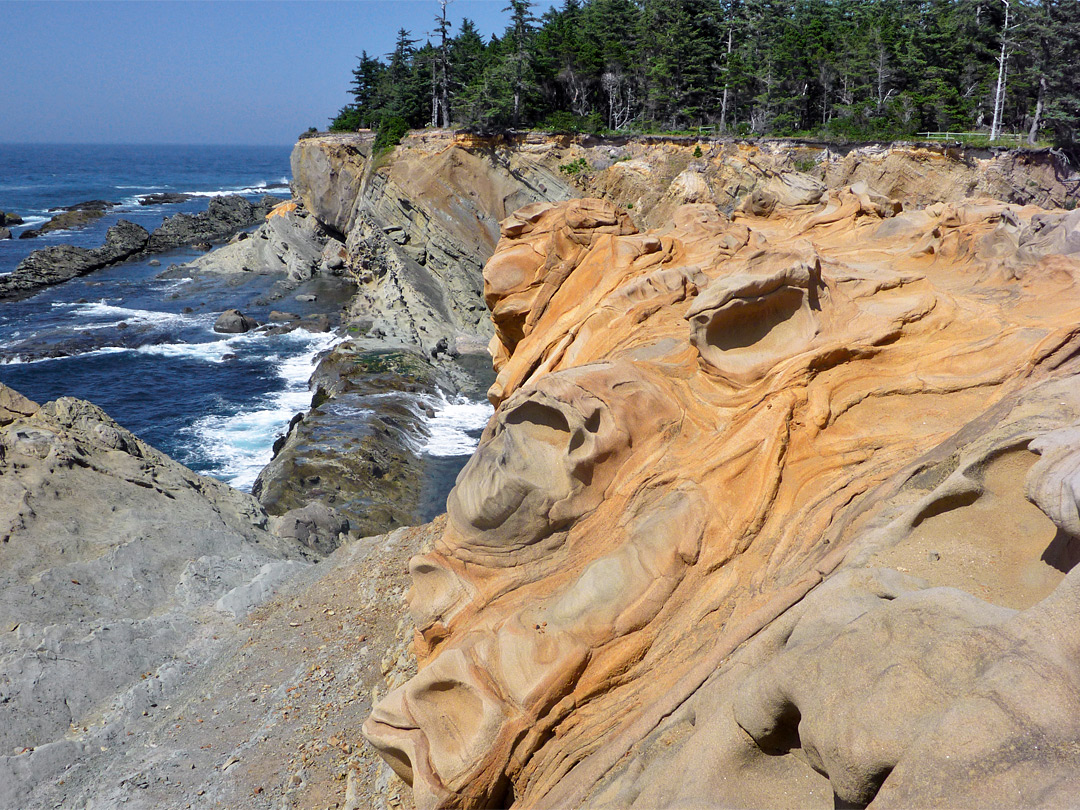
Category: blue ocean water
<point>37,177</point>
<point>140,346</point>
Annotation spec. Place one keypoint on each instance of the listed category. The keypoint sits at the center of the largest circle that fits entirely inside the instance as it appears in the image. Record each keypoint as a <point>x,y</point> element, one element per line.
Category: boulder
<point>233,321</point>
<point>8,218</point>
<point>4,233</point>
<point>316,526</point>
<point>316,323</point>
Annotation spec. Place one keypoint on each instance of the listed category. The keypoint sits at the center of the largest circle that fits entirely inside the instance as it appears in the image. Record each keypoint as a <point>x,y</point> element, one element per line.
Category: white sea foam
<point>239,445</point>
<point>102,310</point>
<point>448,430</point>
<point>261,187</point>
<point>18,360</point>
<point>32,221</point>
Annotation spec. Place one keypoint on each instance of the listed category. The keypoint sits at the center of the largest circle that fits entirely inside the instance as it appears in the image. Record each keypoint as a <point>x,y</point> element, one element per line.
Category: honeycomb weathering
<point>695,427</point>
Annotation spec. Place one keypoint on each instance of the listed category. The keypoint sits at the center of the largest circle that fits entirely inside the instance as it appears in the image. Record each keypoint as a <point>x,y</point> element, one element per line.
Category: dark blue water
<point>37,177</point>
<point>141,346</point>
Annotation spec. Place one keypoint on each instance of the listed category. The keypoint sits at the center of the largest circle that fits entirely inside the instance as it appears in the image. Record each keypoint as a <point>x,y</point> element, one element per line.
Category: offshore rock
<point>54,265</point>
<point>222,218</point>
<point>233,321</point>
<point>71,216</point>
<point>749,526</point>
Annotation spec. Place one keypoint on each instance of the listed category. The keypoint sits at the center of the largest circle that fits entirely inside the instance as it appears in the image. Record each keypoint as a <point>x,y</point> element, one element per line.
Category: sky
<point>196,71</point>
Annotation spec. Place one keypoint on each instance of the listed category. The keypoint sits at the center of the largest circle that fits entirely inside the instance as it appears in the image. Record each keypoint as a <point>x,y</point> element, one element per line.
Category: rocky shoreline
<point>706,432</point>
<point>125,241</point>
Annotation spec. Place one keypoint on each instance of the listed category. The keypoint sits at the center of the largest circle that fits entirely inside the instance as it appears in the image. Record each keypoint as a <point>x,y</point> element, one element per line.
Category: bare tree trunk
<point>727,70</point>
<point>999,93</point>
<point>444,89</point>
<point>1034,131</point>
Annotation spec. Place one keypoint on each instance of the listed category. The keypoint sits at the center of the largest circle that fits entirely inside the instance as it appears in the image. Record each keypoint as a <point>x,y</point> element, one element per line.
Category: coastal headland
<point>776,507</point>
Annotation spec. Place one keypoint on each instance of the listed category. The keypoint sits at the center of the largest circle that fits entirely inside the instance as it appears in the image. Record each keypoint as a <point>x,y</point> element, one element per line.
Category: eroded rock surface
<point>119,571</point>
<point>707,552</point>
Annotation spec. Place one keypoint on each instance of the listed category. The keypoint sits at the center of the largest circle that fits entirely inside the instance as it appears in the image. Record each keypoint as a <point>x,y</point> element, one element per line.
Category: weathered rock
<point>8,218</point>
<point>695,427</point>
<point>59,263</point>
<point>222,218</point>
<point>14,405</point>
<point>316,526</point>
<point>112,559</point>
<point>4,233</point>
<point>289,242</point>
<point>354,450</point>
<point>233,321</point>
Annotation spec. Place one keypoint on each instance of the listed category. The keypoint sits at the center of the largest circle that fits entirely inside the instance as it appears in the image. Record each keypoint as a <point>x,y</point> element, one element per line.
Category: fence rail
<point>952,136</point>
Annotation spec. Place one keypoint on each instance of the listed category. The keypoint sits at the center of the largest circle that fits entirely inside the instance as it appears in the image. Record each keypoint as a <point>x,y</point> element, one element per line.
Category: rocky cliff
<point>777,507</point>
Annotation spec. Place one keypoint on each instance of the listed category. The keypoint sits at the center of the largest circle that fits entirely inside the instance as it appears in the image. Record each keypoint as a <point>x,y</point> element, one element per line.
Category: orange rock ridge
<point>696,426</point>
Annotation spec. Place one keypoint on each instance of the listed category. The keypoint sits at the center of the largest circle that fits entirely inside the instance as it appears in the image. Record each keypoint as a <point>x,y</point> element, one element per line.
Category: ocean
<point>142,346</point>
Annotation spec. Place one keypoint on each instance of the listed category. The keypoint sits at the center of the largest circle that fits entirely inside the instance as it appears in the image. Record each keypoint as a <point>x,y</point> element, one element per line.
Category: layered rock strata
<point>748,526</point>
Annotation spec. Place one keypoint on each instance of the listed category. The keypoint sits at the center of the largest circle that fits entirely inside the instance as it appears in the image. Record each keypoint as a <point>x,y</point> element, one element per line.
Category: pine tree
<point>519,57</point>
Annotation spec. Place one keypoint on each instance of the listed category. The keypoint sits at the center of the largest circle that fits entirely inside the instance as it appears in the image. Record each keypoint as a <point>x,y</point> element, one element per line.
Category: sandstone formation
<point>777,508</point>
<point>748,527</point>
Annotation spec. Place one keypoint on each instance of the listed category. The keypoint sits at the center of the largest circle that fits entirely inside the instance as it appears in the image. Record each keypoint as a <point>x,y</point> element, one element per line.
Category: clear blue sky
<point>181,71</point>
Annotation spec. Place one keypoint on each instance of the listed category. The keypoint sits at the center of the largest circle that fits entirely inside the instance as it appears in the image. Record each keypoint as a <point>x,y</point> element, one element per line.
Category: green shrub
<point>391,130</point>
<point>564,121</point>
<point>347,120</point>
<point>575,167</point>
<point>697,151</point>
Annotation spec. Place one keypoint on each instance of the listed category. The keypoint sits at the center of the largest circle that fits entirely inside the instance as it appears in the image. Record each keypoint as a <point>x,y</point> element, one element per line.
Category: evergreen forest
<point>837,69</point>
